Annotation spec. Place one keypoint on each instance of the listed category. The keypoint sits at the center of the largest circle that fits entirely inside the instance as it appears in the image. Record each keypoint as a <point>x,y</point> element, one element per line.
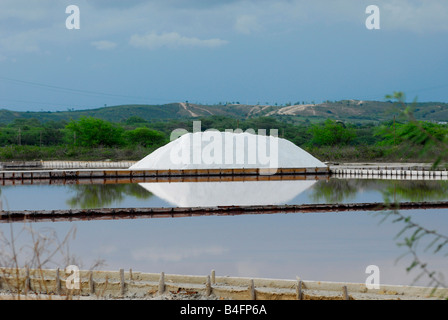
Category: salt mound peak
<point>227,150</point>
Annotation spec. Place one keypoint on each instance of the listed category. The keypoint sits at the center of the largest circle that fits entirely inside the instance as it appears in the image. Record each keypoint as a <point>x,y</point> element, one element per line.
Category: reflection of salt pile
<point>272,152</point>
<point>238,193</point>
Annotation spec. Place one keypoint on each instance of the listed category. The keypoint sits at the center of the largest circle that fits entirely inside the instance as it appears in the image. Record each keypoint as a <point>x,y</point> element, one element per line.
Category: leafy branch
<point>413,232</point>
<point>423,136</point>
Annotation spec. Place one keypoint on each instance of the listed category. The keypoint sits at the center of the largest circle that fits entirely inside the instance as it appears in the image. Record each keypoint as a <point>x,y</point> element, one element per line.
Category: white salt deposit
<point>238,193</point>
<point>227,150</point>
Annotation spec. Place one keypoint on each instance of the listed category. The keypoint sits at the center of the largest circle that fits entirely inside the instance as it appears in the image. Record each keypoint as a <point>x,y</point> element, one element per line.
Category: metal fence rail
<point>181,212</point>
<point>395,173</point>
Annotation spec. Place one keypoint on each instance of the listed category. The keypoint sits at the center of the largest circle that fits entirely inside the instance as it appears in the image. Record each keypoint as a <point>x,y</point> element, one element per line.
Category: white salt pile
<point>227,150</point>
<point>238,193</point>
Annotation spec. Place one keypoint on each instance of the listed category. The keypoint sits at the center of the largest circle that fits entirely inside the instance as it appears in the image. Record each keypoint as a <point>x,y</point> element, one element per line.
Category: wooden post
<point>208,287</point>
<point>58,282</point>
<point>299,289</point>
<point>252,290</point>
<point>345,291</point>
<point>122,282</point>
<point>162,283</point>
<point>27,280</point>
<point>130,275</point>
<point>91,283</point>
<point>213,280</point>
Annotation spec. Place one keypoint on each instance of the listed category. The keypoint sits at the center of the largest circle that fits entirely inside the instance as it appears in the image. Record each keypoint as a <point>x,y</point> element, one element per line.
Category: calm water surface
<point>190,194</point>
<point>318,246</point>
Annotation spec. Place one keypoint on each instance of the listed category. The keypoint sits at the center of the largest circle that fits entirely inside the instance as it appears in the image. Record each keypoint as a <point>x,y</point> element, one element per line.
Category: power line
<point>30,83</point>
<point>46,103</point>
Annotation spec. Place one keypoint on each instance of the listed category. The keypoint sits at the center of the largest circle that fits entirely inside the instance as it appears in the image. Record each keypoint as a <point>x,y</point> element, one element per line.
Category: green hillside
<point>345,110</point>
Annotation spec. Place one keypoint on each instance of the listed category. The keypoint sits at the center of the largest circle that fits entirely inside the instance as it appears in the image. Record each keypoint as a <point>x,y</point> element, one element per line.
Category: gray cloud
<point>247,24</point>
<point>116,3</point>
<point>419,16</point>
<point>172,40</point>
<point>104,45</point>
<point>151,24</point>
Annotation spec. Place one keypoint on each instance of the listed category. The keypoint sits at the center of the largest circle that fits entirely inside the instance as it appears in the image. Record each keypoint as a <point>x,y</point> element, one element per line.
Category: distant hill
<point>345,110</point>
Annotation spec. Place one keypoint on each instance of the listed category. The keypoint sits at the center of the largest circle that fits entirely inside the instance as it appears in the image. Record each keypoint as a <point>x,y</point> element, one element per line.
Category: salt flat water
<point>314,246</point>
<point>189,194</point>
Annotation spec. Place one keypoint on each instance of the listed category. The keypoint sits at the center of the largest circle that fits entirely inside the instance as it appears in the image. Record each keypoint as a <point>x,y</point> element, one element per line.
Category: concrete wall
<point>129,284</point>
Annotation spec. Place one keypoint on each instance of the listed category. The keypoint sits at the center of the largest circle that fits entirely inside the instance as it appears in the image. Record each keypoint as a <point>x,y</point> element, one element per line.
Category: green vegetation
<point>344,190</point>
<point>90,138</point>
<point>353,111</point>
<point>92,132</point>
<point>331,133</point>
<point>347,130</point>
<point>103,195</point>
<point>425,138</point>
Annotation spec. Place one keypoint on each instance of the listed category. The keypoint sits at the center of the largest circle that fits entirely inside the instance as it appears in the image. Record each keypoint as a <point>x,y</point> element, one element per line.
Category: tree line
<point>136,132</point>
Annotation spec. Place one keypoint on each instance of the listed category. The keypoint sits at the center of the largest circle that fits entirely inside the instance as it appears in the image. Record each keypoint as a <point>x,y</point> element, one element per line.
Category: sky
<point>210,51</point>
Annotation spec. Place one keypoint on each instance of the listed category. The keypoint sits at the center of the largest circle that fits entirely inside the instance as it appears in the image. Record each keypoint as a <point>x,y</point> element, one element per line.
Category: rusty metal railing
<point>180,212</point>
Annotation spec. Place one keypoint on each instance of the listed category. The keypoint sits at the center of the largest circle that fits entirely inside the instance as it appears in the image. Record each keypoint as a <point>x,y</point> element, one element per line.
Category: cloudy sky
<point>208,51</point>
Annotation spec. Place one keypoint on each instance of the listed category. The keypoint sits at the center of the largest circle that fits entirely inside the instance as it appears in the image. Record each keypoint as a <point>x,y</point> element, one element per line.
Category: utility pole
<point>20,137</point>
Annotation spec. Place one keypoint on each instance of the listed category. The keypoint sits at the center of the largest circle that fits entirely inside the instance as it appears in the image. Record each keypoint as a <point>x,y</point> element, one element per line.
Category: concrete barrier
<point>127,173</point>
<point>130,284</point>
<point>86,164</point>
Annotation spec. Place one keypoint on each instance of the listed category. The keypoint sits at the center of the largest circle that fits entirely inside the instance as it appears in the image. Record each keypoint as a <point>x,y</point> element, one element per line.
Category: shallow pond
<point>191,194</point>
<point>314,246</point>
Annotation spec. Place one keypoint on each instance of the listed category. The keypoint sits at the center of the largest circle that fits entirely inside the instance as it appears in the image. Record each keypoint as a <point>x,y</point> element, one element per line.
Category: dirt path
<point>183,105</point>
